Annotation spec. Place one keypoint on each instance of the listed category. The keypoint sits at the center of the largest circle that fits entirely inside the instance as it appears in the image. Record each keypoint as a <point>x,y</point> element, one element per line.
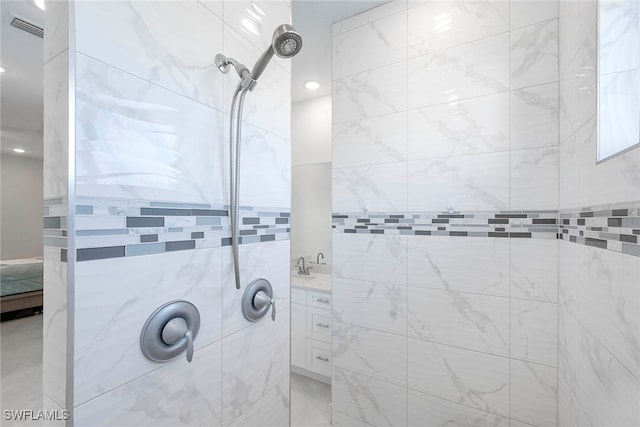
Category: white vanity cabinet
<point>311,332</point>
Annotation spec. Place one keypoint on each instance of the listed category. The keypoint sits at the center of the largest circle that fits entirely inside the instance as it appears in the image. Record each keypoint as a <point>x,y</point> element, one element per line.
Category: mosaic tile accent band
<point>513,224</point>
<point>55,229</point>
<point>111,228</point>
<point>612,227</point>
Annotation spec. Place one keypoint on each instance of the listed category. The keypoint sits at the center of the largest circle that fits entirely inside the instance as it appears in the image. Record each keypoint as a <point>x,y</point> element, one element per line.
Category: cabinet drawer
<point>319,357</point>
<point>319,299</point>
<point>319,324</point>
<point>298,296</point>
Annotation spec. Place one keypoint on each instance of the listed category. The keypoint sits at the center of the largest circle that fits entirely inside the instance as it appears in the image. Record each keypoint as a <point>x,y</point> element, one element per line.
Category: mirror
<point>618,77</point>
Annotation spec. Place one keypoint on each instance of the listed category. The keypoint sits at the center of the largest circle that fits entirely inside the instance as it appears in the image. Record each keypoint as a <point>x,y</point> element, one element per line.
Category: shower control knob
<point>176,330</point>
<point>257,300</point>
<point>262,300</point>
<point>170,332</point>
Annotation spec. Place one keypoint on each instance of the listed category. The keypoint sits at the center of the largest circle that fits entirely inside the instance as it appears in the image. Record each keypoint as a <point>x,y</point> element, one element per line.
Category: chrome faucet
<point>320,254</point>
<point>302,270</point>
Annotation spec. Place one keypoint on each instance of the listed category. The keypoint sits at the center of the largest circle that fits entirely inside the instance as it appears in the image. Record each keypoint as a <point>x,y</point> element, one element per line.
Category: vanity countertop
<point>317,281</point>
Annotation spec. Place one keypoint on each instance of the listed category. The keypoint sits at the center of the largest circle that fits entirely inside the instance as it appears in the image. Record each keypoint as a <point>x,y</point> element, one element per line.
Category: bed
<point>21,286</point>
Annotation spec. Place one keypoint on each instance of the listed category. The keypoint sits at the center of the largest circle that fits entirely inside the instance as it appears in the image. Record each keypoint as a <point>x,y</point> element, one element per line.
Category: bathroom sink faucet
<point>302,269</point>
<point>320,254</point>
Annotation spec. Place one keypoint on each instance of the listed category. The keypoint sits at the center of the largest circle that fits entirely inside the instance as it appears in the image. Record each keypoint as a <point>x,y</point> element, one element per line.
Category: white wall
<point>311,131</point>
<point>442,105</point>
<point>150,116</point>
<point>599,334</point>
<point>311,197</point>
<point>22,209</point>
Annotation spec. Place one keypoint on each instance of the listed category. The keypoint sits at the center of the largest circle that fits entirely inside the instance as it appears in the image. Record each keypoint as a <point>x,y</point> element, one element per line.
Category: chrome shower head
<point>286,42</point>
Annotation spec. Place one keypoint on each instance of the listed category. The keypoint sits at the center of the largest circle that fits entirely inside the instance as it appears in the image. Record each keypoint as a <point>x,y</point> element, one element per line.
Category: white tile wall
<point>468,122</point>
<point>150,110</point>
<point>598,342</point>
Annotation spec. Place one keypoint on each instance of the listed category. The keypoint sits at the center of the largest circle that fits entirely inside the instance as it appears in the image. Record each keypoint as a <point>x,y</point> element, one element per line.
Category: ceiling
<point>313,19</point>
<point>21,84</point>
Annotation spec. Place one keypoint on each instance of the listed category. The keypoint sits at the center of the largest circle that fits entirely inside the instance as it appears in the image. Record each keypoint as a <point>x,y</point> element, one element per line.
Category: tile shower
<point>485,269</point>
<point>473,230</point>
<point>136,193</point>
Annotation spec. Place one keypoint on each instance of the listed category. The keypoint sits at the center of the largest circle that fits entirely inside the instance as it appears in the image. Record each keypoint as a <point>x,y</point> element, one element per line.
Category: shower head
<point>286,43</point>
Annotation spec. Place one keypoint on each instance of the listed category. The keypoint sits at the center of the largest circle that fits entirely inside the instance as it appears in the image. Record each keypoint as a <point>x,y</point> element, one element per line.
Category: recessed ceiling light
<point>312,85</point>
<point>39,3</point>
<point>18,150</point>
<point>2,70</point>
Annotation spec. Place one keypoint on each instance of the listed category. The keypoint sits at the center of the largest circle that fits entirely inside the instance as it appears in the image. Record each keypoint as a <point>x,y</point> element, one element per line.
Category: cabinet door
<point>319,357</point>
<point>319,299</point>
<point>298,335</point>
<point>319,324</point>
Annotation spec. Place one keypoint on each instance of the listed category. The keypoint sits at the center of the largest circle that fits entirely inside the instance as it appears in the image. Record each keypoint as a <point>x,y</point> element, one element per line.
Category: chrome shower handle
<point>261,300</point>
<point>189,336</point>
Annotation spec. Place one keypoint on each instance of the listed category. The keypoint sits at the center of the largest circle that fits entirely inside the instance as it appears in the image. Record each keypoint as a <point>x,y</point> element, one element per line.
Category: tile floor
<point>21,377</point>
<point>21,366</point>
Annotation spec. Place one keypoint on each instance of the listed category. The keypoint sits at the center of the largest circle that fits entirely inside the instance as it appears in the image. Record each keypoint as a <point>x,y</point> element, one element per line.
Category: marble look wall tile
<point>568,28</point>
<point>426,410</point>
<point>570,413</point>
<point>569,341</point>
<point>339,419</point>
<point>370,304</point>
<point>441,24</point>
<point>472,126</point>
<point>54,332</point>
<point>527,12</point>
<point>569,95</point>
<point>373,353</point>
<point>534,178</point>
<point>371,93</point>
<point>570,260</point>
<point>476,322</point>
<point>534,116</point>
<point>265,172</point>
<point>610,303</point>
<point>619,35</point>
<point>375,402</point>
<point>473,69</point>
<point>374,188</point>
<point>269,260</point>
<point>434,263</point>
<point>534,54</point>
<point>569,160</point>
<point>108,304</point>
<point>153,45</point>
<point>374,14</point>
<point>256,21</point>
<point>533,393</point>
<point>176,394</point>
<point>451,373</point>
<point>270,410</point>
<point>370,257</point>
<point>137,140</point>
<point>369,46</point>
<point>382,139</point>
<point>608,393</point>
<point>214,6</point>
<point>587,99</point>
<point>474,182</point>
<point>268,106</point>
<point>254,361</point>
<point>56,21</point>
<point>534,331</point>
<point>534,269</point>
<point>56,126</point>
